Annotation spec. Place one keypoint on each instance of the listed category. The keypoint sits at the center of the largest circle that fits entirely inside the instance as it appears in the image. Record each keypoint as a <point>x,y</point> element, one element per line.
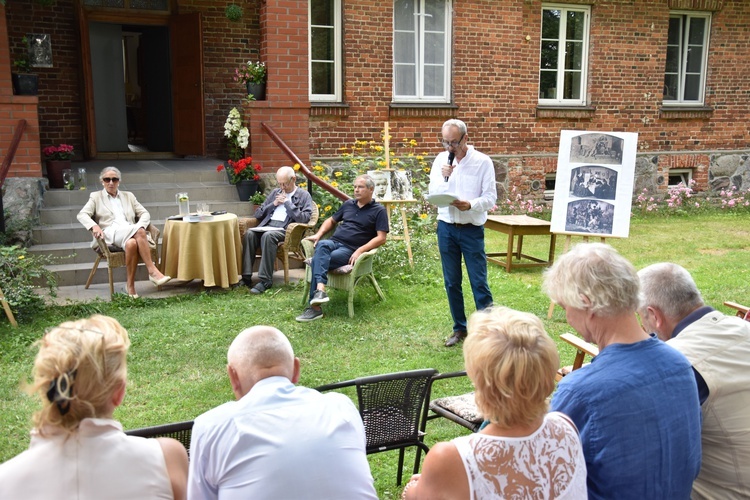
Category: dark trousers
<point>269,246</point>
<point>329,254</point>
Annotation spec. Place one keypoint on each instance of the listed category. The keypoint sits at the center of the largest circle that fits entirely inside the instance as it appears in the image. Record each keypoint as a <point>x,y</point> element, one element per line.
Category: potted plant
<point>244,175</point>
<point>253,75</point>
<point>24,82</point>
<point>58,158</point>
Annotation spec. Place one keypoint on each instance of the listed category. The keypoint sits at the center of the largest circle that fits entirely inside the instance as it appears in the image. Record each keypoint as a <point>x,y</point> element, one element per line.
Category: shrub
<point>18,270</point>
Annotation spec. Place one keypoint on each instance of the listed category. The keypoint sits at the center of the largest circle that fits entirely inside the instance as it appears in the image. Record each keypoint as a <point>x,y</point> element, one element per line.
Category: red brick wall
<point>13,108</point>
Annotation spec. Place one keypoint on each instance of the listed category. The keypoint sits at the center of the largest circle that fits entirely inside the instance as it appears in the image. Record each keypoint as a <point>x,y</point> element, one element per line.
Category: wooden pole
<point>387,142</point>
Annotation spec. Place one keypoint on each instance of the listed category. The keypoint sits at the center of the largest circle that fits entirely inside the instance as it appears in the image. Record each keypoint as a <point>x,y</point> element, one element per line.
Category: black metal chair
<point>181,431</point>
<point>461,409</point>
<point>391,407</point>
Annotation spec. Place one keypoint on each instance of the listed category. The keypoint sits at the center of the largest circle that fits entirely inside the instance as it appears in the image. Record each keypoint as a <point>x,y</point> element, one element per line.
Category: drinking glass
<point>183,202</point>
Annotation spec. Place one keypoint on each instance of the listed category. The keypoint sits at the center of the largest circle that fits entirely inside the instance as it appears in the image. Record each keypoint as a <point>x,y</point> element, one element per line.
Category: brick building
<point>517,71</point>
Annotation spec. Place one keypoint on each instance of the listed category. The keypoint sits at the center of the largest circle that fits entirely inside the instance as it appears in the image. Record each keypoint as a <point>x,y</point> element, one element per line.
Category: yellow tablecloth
<point>207,250</point>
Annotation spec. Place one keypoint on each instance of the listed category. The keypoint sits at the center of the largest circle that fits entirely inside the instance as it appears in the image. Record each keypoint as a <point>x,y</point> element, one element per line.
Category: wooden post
<point>387,143</point>
<point>8,312</point>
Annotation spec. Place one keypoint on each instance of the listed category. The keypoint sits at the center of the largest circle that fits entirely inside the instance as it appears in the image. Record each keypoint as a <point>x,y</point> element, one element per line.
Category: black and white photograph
<point>590,216</point>
<point>40,51</point>
<point>594,181</point>
<point>391,184</point>
<point>600,148</point>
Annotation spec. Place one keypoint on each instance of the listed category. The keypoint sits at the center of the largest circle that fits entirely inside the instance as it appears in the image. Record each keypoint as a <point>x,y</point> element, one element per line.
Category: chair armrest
<point>103,248</point>
<point>742,311</point>
<point>363,264</point>
<point>154,231</point>
<point>247,222</point>
<point>580,344</point>
<point>294,234</point>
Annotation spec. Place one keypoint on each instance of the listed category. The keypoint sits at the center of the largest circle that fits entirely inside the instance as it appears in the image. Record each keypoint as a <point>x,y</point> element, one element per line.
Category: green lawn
<point>178,354</point>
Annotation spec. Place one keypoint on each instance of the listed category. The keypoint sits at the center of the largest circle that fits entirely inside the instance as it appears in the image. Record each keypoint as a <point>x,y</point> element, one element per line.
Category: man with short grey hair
<point>284,205</point>
<point>718,348</point>
<point>278,440</point>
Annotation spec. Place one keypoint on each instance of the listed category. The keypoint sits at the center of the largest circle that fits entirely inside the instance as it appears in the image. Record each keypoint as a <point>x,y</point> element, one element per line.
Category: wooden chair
<point>115,257</point>
<point>391,407</point>
<point>181,431</point>
<point>344,278</point>
<point>463,410</point>
<point>742,311</point>
<point>290,247</point>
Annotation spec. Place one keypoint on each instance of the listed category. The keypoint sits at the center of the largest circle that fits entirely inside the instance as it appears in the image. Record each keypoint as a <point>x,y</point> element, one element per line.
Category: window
<point>564,54</point>
<point>325,50</point>
<point>687,50</point>
<point>680,175</point>
<point>421,50</point>
<point>549,186</point>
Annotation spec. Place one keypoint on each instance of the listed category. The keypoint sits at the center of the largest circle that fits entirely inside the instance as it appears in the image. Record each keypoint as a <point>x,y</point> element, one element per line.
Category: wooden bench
<point>582,349</point>
<point>742,311</point>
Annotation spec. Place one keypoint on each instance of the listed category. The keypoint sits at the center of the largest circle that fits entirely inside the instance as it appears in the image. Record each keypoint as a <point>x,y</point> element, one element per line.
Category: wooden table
<point>207,250</point>
<point>519,225</point>
<point>401,206</point>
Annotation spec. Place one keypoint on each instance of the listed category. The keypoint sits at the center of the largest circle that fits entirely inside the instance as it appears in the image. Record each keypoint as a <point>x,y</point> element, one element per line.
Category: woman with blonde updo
<point>77,450</point>
<point>524,452</point>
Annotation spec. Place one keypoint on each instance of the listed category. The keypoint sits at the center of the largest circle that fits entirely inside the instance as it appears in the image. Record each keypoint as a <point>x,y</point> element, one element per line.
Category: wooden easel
<point>566,247</point>
<point>8,312</point>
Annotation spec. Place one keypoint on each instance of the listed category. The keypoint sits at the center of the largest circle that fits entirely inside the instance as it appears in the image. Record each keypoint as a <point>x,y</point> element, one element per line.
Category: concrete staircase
<point>154,183</point>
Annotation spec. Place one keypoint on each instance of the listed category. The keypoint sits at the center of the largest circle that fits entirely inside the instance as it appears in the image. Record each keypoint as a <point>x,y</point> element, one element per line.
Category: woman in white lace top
<point>524,452</point>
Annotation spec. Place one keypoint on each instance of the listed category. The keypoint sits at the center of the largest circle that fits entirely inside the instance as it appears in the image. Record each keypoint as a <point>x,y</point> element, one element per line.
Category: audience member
<point>718,347</point>
<point>277,440</point>
<point>77,450</point>
<point>636,405</point>
<point>116,217</point>
<point>284,205</point>
<point>362,226</point>
<point>460,230</point>
<point>524,452</point>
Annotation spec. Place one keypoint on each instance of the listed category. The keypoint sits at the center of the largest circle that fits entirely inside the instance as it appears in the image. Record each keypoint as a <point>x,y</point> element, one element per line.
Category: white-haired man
<point>284,205</point>
<point>278,440</point>
<point>718,347</point>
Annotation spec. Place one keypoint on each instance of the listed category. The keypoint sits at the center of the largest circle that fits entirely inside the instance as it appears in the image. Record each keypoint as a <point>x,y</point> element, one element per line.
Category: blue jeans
<point>455,241</point>
<point>329,254</point>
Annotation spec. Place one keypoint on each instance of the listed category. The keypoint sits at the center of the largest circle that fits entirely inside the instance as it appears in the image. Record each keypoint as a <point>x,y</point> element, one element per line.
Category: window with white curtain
<point>687,51</point>
<point>564,54</point>
<point>421,50</point>
<point>325,50</point>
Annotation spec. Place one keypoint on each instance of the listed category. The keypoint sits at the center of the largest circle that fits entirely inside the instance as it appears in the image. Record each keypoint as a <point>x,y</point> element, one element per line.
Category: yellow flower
<point>378,148</point>
<point>412,142</point>
<point>338,173</point>
<point>21,257</point>
<point>381,163</point>
<point>426,169</point>
<point>296,167</point>
<point>422,216</point>
<point>328,207</point>
<point>317,168</point>
<point>420,157</point>
<point>335,184</point>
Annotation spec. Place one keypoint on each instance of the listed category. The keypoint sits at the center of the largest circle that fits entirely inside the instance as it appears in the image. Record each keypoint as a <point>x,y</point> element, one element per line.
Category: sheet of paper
<point>266,228</point>
<point>442,199</point>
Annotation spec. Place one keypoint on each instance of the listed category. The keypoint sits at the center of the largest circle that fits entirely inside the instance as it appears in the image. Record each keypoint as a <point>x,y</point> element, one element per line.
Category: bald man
<point>284,205</point>
<point>278,440</point>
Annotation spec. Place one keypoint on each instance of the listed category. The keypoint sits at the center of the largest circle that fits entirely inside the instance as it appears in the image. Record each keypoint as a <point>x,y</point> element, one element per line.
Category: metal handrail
<point>302,167</point>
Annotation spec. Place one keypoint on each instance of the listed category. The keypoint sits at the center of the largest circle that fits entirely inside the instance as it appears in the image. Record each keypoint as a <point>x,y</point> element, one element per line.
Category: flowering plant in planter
<point>61,152</point>
<point>238,135</point>
<point>241,170</point>
<point>250,72</point>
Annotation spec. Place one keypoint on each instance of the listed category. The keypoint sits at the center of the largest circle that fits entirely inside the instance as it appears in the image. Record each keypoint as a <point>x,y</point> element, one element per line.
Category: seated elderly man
<point>284,205</point>
<point>278,440</point>
<point>718,347</point>
<point>362,226</point>
<point>636,405</point>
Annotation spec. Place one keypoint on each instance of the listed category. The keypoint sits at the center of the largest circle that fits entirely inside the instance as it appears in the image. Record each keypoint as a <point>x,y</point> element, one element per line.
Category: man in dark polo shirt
<point>362,226</point>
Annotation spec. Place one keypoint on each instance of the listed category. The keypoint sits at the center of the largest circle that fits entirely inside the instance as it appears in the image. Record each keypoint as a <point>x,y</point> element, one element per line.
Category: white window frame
<point>338,84</point>
<point>686,175</point>
<point>561,39</point>
<point>420,57</point>
<point>549,194</point>
<point>684,48</point>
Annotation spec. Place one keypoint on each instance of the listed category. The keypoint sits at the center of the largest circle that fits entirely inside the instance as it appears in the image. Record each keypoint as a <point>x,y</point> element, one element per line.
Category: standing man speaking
<point>469,175</point>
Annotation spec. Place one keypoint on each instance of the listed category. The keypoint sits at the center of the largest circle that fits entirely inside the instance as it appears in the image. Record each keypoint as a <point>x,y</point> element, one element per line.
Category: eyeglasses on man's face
<point>452,144</point>
<point>107,180</point>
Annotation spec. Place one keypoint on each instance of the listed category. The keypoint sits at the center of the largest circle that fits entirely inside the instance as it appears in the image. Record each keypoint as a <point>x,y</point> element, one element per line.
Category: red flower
<point>243,169</point>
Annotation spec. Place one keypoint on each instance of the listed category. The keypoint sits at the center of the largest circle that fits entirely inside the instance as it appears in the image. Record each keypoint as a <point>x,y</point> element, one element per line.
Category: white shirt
<point>473,180</point>
<point>97,461</point>
<point>280,441</point>
<point>280,212</point>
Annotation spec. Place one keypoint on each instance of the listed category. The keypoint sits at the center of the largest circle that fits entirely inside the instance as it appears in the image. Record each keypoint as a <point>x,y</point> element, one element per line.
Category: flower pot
<point>245,189</point>
<point>55,172</point>
<point>257,90</point>
<point>25,84</point>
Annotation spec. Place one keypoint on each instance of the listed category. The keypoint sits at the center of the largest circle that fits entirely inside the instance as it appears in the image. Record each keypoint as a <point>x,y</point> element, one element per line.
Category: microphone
<point>451,155</point>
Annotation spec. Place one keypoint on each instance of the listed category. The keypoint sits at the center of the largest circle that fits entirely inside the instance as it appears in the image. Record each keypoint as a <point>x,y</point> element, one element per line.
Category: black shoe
<point>260,288</point>
<point>319,297</point>
<point>247,280</point>
<point>310,314</point>
<point>454,339</point>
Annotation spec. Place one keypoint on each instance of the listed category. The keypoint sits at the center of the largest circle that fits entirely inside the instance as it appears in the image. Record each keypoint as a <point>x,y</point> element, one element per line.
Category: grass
<point>178,354</point>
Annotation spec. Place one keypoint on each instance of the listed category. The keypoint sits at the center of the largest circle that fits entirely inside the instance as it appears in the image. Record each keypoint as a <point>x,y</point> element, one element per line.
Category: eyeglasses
<point>452,144</point>
<point>107,180</point>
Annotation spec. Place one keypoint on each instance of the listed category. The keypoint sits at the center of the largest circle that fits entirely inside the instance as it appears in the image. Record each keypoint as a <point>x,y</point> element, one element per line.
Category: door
<point>187,85</point>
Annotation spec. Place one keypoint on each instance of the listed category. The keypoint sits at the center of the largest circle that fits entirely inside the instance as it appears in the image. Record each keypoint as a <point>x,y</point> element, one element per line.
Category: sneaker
<point>310,314</point>
<point>319,297</point>
<point>259,288</point>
